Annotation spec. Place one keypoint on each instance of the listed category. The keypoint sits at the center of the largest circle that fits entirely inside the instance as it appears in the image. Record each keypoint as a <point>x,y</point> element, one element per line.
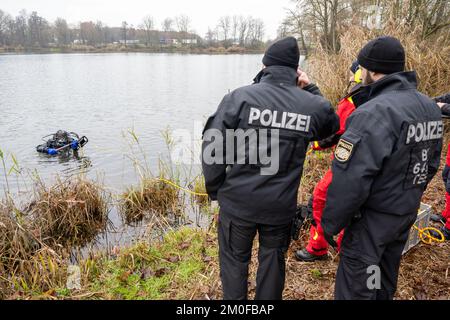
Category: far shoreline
<point>175,50</point>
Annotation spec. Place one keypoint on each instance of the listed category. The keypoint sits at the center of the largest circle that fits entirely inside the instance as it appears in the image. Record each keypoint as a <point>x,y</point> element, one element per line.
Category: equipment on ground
<point>421,232</point>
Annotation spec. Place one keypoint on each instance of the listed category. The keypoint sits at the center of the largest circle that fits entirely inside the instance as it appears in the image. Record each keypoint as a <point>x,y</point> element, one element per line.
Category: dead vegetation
<point>429,58</point>
<point>152,196</point>
<point>199,189</point>
<point>69,213</point>
<point>35,243</point>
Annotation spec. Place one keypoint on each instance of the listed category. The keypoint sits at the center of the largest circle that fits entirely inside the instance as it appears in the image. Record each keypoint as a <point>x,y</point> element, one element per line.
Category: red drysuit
<point>317,245</point>
<point>446,176</point>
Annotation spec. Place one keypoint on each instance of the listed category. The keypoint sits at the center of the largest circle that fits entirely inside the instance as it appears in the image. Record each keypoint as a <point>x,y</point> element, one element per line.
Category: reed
<point>430,58</point>
<point>72,212</point>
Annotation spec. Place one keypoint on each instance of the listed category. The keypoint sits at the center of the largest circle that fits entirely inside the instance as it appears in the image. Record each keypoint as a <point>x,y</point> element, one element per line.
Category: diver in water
<point>62,142</point>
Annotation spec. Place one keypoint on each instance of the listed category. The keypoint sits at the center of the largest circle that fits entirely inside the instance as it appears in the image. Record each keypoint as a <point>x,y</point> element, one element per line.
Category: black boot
<point>305,256</point>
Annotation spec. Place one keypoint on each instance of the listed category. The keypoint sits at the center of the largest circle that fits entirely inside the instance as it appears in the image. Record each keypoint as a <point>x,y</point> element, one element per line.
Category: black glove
<point>330,240</point>
<point>297,223</point>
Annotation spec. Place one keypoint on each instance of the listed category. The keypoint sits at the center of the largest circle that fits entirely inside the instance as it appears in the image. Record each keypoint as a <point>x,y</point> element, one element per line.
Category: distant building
<point>168,41</point>
<point>189,41</point>
<point>129,42</point>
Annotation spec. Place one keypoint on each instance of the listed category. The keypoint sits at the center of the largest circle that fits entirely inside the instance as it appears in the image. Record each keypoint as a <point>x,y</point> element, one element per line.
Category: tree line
<point>32,30</point>
<point>237,30</point>
<point>322,21</point>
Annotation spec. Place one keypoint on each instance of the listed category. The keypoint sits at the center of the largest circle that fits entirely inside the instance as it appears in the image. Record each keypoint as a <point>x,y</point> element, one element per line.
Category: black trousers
<point>371,252</point>
<point>235,249</point>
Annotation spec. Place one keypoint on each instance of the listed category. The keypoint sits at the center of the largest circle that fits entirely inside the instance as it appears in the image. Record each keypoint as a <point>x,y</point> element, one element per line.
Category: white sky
<point>203,13</point>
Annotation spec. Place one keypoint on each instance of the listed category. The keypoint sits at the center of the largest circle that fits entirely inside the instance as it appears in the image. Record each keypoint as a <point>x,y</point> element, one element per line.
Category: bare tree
<point>62,32</point>
<point>323,20</point>
<point>183,23</point>
<point>323,17</point>
<point>243,26</point>
<point>167,25</point>
<point>211,37</point>
<point>20,28</point>
<point>259,31</point>
<point>250,31</point>
<point>432,15</point>
<point>148,24</point>
<point>39,30</point>
<point>124,30</point>
<point>89,33</point>
<point>225,27</point>
<point>295,25</point>
<point>5,22</point>
<point>235,28</point>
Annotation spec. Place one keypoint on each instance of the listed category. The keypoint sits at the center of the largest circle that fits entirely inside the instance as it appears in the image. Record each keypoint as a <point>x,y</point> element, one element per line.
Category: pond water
<point>104,96</point>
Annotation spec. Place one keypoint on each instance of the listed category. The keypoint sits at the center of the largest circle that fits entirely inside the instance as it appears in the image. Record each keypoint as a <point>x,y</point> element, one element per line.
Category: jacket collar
<point>395,81</point>
<point>278,75</point>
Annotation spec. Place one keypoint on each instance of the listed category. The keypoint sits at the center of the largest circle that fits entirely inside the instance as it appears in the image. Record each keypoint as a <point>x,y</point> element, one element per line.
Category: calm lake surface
<point>102,96</point>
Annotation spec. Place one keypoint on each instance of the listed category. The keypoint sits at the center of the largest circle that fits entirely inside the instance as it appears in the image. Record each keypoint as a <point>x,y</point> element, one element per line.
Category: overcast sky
<point>203,13</point>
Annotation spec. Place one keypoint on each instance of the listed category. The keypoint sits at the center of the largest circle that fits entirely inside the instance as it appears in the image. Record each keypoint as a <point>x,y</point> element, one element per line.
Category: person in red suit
<point>444,104</point>
<point>317,248</point>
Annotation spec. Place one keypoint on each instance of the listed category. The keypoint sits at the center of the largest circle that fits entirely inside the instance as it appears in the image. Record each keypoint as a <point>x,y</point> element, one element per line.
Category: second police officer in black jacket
<point>253,201</point>
<point>383,164</point>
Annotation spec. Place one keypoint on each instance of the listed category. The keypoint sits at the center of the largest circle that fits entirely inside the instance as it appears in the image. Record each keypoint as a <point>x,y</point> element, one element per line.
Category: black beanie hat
<point>354,67</point>
<point>383,55</point>
<point>284,52</point>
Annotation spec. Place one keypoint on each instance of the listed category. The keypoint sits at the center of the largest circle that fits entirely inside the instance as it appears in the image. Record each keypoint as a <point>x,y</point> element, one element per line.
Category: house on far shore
<point>127,42</point>
<point>189,41</point>
<point>168,41</point>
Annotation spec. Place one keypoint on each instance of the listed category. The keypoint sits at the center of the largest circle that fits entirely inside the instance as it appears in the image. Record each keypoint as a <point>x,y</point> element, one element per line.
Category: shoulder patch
<point>343,151</point>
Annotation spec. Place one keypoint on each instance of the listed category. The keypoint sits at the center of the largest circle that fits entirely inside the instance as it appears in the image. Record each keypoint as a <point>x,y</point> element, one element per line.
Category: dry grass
<point>152,196</point>
<point>429,58</point>
<point>70,213</point>
<point>26,263</point>
<point>198,186</point>
<point>15,245</point>
<point>316,164</point>
<point>34,245</point>
<point>424,274</point>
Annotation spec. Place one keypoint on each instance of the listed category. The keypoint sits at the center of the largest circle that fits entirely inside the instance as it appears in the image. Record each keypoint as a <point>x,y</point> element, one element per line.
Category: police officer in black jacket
<point>383,164</point>
<point>278,119</point>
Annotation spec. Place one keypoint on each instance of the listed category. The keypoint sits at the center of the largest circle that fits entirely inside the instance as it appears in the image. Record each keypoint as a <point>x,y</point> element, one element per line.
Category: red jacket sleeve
<point>344,110</point>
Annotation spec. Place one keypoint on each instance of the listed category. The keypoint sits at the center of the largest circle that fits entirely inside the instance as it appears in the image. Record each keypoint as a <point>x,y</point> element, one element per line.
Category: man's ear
<point>376,76</point>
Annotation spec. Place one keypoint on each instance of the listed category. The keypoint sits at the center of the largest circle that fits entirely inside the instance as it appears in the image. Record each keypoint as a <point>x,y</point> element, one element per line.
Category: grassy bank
<point>184,265</point>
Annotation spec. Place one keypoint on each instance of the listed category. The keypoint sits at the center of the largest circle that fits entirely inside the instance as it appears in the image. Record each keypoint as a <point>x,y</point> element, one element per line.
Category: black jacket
<point>388,154</point>
<point>297,115</point>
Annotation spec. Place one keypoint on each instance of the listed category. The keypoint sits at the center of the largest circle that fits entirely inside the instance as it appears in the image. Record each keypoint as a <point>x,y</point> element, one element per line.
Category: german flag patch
<point>343,151</point>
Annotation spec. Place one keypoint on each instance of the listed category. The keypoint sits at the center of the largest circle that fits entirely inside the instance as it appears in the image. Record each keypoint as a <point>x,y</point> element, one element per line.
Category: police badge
<point>343,151</point>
